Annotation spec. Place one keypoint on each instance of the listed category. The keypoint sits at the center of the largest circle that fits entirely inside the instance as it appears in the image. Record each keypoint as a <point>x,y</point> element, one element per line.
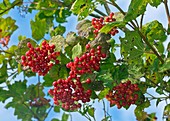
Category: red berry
<point>88,81</point>
<point>87,46</point>
<point>29,45</point>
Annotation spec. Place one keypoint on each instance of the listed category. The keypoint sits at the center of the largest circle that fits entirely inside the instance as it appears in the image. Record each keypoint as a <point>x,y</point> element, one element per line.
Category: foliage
<point>143,59</point>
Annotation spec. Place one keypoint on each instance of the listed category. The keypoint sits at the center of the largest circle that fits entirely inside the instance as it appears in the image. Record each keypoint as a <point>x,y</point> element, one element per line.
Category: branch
<point>5,52</point>
<point>94,15</point>
<point>38,84</point>
<point>104,108</point>
<point>141,21</point>
<point>150,46</point>
<point>48,112</point>
<point>120,9</point>
<point>157,85</point>
<point>167,11</point>
<point>100,12</point>
<point>108,11</point>
<point>114,4</point>
<point>10,7</point>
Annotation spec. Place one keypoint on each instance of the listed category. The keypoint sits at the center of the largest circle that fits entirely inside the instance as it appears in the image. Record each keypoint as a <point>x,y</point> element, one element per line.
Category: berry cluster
<point>4,41</point>
<point>99,23</point>
<point>70,92</point>
<point>123,95</point>
<point>39,59</point>
<point>87,63</point>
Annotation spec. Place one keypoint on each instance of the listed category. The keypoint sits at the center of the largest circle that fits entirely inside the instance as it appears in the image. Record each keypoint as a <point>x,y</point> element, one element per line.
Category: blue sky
<point>117,115</point>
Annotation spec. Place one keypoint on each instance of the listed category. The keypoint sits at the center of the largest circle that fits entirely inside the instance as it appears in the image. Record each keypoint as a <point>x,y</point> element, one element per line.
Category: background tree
<point>82,67</point>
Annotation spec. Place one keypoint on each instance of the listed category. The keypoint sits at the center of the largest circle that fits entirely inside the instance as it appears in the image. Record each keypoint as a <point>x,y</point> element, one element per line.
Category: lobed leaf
<point>38,28</point>
<point>107,28</point>
<point>136,8</point>
<point>82,8</point>
<point>76,51</point>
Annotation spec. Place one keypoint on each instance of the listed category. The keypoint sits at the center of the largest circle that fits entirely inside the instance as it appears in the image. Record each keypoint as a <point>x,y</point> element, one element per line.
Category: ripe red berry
<point>87,46</point>
<point>88,81</point>
<point>29,45</point>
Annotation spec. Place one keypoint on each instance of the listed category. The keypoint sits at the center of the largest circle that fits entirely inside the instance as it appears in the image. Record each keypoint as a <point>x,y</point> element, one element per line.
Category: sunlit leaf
<point>82,8</point>
<point>136,8</point>
<point>36,26</point>
<point>76,50</point>
<point>65,117</point>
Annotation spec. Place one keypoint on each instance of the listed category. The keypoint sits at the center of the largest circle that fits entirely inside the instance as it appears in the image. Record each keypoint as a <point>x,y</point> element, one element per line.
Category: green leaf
<point>65,117</point>
<point>11,51</point>
<point>103,93</point>
<point>135,71</point>
<point>154,31</point>
<point>76,50</point>
<point>17,92</point>
<point>56,109</point>
<point>7,26</point>
<point>155,34</point>
<point>159,90</point>
<point>82,8</point>
<point>3,72</point>
<point>107,28</point>
<point>59,30</point>
<point>13,63</point>
<point>136,8</point>
<point>132,46</point>
<point>54,119</point>
<point>165,66</point>
<point>106,78</point>
<point>167,111</point>
<point>158,101</point>
<point>117,74</point>
<point>97,85</point>
<point>63,59</point>
<point>2,57</point>
<point>38,28</point>
<point>48,80</point>
<point>61,14</point>
<point>139,110</point>
<point>21,110</point>
<point>91,112</point>
<point>4,95</point>
<point>155,3</point>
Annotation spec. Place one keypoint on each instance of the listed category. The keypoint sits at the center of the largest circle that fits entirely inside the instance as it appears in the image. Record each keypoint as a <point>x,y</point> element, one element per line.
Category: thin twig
<point>108,11</point>
<point>157,85</point>
<point>104,109</point>
<point>48,112</point>
<point>38,84</point>
<point>17,3</point>
<point>5,52</point>
<point>13,73</point>
<point>114,4</point>
<point>141,21</point>
<point>167,10</point>
<point>150,46</point>
<point>94,15</point>
<point>136,23</point>
<point>100,12</point>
